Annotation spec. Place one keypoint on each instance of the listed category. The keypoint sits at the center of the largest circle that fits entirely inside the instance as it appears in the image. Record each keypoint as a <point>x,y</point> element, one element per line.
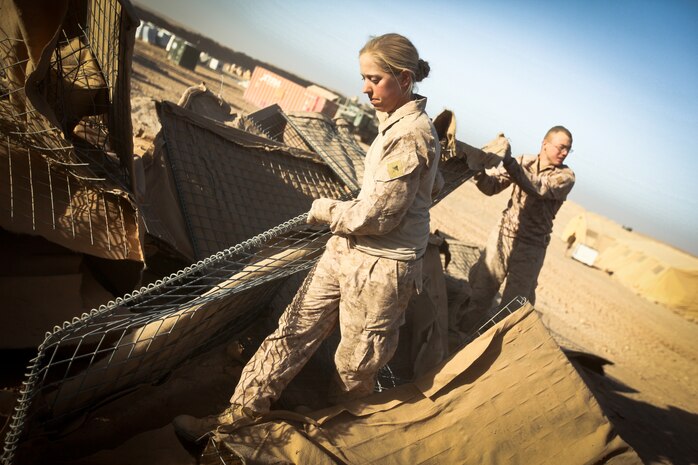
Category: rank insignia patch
<point>396,169</point>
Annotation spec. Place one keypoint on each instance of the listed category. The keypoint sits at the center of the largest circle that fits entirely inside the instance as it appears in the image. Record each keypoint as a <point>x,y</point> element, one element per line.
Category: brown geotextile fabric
<point>511,396</point>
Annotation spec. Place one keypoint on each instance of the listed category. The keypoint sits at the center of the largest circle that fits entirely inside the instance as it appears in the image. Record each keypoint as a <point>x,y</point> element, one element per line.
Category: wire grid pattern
<point>315,132</point>
<point>86,88</point>
<point>271,121</point>
<point>463,257</point>
<point>111,29</point>
<point>38,196</point>
<point>142,336</point>
<point>229,191</point>
<point>489,321</point>
<point>312,130</point>
<point>19,120</point>
<point>56,185</point>
<point>341,153</point>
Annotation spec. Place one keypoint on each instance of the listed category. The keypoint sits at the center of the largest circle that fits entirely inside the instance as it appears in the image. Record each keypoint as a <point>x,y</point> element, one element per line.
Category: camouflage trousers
<point>503,257</point>
<point>366,295</point>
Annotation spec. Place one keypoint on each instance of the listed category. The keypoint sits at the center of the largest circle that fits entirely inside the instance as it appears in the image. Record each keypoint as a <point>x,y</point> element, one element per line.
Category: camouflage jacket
<point>390,216</point>
<point>537,195</point>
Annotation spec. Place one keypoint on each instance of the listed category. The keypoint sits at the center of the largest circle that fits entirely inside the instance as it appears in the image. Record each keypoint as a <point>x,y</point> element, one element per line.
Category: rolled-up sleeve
<point>550,184</point>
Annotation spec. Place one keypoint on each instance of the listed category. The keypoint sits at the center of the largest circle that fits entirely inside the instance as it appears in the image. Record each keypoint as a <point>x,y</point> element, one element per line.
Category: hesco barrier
<point>141,337</point>
<point>66,150</point>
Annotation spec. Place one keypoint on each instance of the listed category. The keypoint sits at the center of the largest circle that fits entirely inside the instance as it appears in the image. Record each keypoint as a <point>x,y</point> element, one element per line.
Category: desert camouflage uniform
<point>366,276</point>
<point>516,249</point>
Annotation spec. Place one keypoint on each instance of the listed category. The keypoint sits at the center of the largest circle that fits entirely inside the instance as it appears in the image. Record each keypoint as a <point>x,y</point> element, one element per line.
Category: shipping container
<point>184,54</point>
<point>268,88</point>
<point>319,104</point>
<point>163,38</point>
<point>148,33</point>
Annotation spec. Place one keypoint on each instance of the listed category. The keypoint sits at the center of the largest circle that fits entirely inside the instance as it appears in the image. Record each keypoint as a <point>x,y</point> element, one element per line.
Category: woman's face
<point>387,92</point>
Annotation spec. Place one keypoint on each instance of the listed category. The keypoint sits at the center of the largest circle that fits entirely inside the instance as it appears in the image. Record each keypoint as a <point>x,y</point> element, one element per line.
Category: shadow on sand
<point>658,435</point>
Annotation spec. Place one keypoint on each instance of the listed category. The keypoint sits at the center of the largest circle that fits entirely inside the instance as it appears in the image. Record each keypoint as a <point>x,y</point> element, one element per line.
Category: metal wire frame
<point>40,195</point>
<point>271,121</point>
<point>139,338</point>
<point>20,122</point>
<point>87,89</point>
<point>340,150</point>
<point>111,30</point>
<point>341,153</point>
<point>74,187</point>
<point>463,257</point>
<point>315,132</point>
<point>232,185</point>
<point>489,321</point>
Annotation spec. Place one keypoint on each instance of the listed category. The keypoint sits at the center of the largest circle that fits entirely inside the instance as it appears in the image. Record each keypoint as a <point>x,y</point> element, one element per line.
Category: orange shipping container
<point>267,88</point>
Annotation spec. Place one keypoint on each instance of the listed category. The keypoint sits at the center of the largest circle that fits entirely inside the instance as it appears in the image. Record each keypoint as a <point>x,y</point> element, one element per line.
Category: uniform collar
<point>385,120</point>
<point>541,168</point>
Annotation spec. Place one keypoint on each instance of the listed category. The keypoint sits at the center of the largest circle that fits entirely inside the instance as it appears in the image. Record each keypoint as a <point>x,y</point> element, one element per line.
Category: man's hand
<point>508,159</point>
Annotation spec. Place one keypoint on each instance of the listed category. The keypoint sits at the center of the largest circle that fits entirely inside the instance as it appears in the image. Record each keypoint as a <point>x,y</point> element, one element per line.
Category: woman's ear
<point>405,79</point>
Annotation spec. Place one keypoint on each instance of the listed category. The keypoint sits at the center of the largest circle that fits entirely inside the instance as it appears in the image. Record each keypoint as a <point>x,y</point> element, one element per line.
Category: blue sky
<point>621,75</point>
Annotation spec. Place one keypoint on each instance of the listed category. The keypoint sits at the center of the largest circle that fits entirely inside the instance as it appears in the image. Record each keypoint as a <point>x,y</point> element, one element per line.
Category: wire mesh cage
<point>139,338</point>
<point>65,120</point>
<point>142,336</point>
<point>71,105</point>
<point>316,132</point>
<point>233,185</point>
<point>339,150</point>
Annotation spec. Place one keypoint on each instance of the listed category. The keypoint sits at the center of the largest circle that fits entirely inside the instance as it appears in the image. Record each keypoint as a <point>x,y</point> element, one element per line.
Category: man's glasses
<point>563,148</point>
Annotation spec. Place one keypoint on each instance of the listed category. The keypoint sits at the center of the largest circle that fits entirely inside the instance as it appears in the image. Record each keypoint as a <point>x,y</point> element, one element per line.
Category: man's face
<point>556,147</point>
<point>383,89</point>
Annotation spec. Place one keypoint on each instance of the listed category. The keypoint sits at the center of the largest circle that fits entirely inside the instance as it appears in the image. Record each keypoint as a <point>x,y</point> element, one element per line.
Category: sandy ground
<point>650,391</point>
<point>650,387</point>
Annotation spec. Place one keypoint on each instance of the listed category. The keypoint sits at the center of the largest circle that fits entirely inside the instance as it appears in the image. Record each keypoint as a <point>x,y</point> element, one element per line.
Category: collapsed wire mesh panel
<point>144,335</point>
<point>341,153</point>
<point>314,131</point>
<point>19,119</point>
<point>61,117</point>
<point>232,186</point>
<point>83,116</point>
<point>38,196</point>
<point>271,121</point>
